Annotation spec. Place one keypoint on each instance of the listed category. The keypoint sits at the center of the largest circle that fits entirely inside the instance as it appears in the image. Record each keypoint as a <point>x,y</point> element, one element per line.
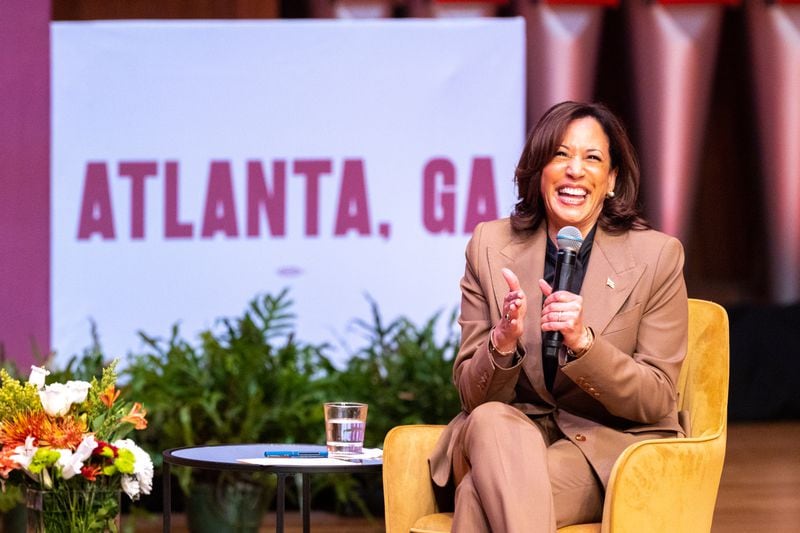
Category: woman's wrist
<point>586,343</point>
<point>493,347</point>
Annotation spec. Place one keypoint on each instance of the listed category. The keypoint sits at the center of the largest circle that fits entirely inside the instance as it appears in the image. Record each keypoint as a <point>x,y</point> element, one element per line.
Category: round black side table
<point>227,457</point>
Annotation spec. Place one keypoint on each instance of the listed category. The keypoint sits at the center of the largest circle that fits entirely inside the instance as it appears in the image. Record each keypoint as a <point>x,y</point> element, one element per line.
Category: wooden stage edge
<point>759,492</point>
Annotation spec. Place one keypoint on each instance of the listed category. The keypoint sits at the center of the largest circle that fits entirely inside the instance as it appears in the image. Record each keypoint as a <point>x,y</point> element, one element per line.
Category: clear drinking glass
<point>345,423</point>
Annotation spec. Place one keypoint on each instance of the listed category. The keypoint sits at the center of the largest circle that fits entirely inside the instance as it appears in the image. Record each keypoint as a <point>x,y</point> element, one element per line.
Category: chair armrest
<point>665,485</point>
<point>407,486</point>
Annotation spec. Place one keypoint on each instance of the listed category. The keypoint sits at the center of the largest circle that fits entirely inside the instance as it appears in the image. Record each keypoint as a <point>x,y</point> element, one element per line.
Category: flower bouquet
<point>66,442</point>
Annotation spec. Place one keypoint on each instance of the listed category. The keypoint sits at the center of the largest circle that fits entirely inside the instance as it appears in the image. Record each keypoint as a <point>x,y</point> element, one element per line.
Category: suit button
<point>580,437</point>
<point>592,390</point>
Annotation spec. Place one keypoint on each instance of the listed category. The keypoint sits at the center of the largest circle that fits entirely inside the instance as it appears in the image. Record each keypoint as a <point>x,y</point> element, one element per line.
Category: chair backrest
<point>703,381</point>
<point>671,484</point>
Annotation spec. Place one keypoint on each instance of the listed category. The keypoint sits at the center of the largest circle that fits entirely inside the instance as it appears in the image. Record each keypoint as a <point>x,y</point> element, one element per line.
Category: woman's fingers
<point>512,314</point>
<point>547,290</point>
<point>514,304</point>
<point>511,279</point>
<point>562,310</point>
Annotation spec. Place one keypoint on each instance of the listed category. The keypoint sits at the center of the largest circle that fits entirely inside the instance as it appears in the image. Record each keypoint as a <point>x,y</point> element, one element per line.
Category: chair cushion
<point>443,522</point>
<point>433,523</point>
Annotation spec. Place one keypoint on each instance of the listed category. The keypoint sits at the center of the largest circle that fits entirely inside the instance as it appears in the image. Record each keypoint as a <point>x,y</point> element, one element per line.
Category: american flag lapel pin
<point>610,283</point>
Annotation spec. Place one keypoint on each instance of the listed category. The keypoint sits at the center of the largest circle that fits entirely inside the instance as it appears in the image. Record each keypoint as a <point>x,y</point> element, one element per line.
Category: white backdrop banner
<point>196,165</point>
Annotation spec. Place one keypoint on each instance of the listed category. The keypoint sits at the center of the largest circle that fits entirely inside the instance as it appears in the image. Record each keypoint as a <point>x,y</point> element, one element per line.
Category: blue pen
<point>295,453</point>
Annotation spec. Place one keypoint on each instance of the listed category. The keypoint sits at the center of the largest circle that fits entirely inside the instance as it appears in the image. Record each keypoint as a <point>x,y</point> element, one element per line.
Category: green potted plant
<point>247,380</point>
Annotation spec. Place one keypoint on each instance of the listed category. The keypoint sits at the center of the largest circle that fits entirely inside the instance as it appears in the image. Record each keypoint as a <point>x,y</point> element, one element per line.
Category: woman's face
<point>578,177</point>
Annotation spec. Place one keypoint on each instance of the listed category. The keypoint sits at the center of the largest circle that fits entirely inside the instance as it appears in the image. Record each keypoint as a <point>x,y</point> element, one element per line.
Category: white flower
<point>23,455</point>
<point>37,376</point>
<point>67,464</point>
<point>131,486</point>
<point>86,447</point>
<point>78,390</point>
<point>72,462</point>
<point>141,481</point>
<point>56,399</point>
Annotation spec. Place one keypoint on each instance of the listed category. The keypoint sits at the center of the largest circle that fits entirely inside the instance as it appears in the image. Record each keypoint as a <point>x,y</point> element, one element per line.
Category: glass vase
<point>85,510</point>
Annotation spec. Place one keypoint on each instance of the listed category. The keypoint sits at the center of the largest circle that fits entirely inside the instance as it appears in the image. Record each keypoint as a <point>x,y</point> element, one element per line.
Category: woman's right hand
<point>515,307</point>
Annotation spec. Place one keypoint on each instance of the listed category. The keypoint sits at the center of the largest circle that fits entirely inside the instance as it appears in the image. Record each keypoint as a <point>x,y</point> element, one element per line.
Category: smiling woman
<point>579,178</point>
<point>548,429</point>
<point>578,150</point>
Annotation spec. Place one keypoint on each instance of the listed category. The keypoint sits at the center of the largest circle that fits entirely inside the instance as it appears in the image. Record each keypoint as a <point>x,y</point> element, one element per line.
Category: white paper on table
<point>367,453</point>
<point>294,461</point>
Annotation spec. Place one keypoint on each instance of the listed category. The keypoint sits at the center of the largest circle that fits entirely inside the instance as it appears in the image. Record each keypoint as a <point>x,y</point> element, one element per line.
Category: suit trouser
<point>515,474</point>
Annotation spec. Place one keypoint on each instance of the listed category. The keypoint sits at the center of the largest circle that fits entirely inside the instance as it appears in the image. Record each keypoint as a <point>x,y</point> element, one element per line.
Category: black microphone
<point>569,242</point>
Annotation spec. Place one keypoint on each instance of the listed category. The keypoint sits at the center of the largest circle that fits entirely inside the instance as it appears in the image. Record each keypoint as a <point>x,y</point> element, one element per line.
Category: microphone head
<point>569,238</point>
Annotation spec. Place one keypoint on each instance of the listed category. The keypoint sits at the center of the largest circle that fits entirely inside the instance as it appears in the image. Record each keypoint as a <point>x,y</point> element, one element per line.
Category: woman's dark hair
<point>619,213</point>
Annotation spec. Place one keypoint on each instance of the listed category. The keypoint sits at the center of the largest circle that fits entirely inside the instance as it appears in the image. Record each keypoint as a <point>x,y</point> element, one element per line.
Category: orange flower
<point>109,396</point>
<point>6,464</point>
<point>65,432</point>
<point>136,416</point>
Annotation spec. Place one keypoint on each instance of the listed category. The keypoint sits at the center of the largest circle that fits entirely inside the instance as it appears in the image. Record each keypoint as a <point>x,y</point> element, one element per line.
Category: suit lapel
<point>611,275</point>
<point>525,257</point>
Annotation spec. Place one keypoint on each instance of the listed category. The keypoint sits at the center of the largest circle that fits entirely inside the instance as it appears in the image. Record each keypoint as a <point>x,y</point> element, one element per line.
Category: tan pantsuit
<point>530,465</point>
<point>528,459</point>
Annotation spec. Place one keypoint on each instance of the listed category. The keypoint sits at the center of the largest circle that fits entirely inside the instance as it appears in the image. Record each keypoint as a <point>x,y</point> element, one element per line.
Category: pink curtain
<point>674,50</point>
<point>775,40</point>
<point>563,39</point>
<point>350,9</point>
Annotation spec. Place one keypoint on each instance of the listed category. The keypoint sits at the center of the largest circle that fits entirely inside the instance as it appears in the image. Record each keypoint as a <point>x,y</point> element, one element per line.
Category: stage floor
<point>760,488</point>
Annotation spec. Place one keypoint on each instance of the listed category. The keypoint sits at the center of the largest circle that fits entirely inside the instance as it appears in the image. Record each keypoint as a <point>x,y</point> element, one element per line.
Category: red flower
<point>104,449</point>
<point>90,472</point>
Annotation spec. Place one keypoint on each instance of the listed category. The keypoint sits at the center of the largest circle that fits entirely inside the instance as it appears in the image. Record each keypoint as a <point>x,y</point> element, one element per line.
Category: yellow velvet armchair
<point>661,485</point>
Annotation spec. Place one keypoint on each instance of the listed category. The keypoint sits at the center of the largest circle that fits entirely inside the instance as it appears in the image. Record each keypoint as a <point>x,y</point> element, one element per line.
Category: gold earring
<point>610,194</point>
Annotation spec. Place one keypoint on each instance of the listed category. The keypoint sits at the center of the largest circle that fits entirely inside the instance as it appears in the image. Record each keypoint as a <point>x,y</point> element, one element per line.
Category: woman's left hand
<point>563,311</point>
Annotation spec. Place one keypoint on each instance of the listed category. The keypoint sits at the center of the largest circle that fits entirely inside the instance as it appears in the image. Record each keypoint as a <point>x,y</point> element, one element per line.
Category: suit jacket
<point>620,391</point>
